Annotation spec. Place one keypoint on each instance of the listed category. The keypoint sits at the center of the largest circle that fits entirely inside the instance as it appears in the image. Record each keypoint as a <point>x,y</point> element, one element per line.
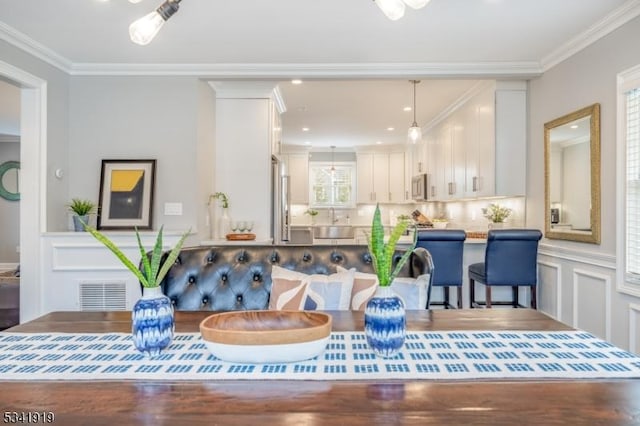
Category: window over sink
<point>332,184</point>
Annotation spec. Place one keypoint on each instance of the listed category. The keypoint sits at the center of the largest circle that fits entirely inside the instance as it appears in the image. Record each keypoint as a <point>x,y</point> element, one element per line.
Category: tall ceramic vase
<point>385,324</point>
<point>152,322</point>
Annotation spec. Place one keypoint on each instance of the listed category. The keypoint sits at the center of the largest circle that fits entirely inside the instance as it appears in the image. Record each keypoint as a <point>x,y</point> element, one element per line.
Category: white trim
<point>623,81</point>
<point>558,268</point>
<point>609,23</point>
<point>634,312</point>
<point>287,71</point>
<point>607,261</point>
<point>458,103</point>
<point>23,42</point>
<point>607,299</point>
<point>33,200</point>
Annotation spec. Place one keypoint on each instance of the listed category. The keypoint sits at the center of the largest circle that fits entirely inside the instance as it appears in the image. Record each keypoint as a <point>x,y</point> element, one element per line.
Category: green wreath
<point>4,193</point>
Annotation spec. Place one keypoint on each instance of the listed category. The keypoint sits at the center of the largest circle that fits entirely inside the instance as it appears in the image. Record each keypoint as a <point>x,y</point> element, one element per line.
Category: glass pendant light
<point>393,9</point>
<point>145,29</point>
<point>416,4</point>
<point>415,132</point>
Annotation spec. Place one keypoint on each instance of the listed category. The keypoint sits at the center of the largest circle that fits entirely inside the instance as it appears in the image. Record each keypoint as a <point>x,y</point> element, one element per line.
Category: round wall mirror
<point>10,180</point>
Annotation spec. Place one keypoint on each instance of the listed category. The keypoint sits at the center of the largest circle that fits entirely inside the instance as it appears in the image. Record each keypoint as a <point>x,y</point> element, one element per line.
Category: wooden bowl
<point>266,336</point>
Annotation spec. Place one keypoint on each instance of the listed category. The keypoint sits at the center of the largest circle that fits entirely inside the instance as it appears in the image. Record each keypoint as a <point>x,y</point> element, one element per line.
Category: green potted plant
<point>81,210</point>
<point>313,213</point>
<point>384,315</point>
<point>496,213</point>
<point>152,316</point>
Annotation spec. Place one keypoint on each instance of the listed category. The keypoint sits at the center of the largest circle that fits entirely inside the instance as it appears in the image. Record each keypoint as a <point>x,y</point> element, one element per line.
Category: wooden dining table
<point>281,402</point>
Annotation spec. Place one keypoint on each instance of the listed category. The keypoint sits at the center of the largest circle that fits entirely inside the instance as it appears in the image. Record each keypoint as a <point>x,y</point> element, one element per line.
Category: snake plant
<point>151,274</point>
<point>382,253</point>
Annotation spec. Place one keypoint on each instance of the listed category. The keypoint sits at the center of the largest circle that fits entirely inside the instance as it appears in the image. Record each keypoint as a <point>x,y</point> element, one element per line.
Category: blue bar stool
<point>446,247</point>
<point>510,260</point>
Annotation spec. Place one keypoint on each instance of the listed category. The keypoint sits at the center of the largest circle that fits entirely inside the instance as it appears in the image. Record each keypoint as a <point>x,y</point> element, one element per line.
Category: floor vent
<point>96,296</point>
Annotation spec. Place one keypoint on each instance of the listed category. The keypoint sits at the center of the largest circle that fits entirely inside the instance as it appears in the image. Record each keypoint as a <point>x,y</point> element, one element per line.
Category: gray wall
<point>586,78</point>
<point>57,127</point>
<point>162,118</point>
<point>9,211</point>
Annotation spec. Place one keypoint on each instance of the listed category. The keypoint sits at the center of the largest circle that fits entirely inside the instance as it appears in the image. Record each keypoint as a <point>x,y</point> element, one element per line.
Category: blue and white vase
<point>385,323</point>
<point>152,322</point>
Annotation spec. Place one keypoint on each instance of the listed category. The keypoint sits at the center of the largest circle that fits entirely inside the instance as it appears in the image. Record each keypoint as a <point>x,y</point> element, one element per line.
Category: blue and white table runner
<point>445,355</point>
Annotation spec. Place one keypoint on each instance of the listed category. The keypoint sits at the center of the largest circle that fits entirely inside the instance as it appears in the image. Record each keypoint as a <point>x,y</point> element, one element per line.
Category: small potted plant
<point>313,213</point>
<point>496,214</point>
<point>81,210</point>
<point>152,316</point>
<point>224,222</point>
<point>384,315</point>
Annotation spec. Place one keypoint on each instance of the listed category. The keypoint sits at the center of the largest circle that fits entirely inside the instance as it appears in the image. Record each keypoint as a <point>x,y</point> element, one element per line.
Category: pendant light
<point>415,132</point>
<point>145,29</point>
<point>393,9</point>
<point>333,167</point>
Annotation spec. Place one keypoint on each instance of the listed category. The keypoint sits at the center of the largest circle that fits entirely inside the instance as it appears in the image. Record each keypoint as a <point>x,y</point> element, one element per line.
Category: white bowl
<point>440,225</point>
<point>266,336</point>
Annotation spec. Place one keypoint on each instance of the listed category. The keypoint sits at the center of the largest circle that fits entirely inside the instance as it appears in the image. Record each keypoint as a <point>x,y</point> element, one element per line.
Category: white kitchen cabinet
<point>397,181</point>
<point>276,129</point>
<point>381,177</point>
<point>479,150</point>
<point>373,177</point>
<point>298,170</point>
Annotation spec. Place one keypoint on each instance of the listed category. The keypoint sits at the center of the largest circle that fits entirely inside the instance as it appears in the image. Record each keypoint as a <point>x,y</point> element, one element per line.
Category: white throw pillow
<point>321,292</point>
<point>412,291</point>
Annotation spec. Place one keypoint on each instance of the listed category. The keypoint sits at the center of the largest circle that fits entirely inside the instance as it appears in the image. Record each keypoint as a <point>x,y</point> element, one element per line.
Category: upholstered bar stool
<point>510,260</point>
<point>446,247</point>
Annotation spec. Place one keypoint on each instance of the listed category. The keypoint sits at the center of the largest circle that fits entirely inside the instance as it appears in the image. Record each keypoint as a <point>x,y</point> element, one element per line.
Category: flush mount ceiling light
<point>394,9</point>
<point>415,132</point>
<point>145,29</point>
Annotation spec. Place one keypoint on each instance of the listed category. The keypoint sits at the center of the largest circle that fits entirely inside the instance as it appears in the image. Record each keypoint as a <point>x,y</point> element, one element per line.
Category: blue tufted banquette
<point>238,277</point>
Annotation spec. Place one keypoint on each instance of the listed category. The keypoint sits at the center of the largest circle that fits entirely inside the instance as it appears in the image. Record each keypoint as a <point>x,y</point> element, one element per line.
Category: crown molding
<point>611,22</point>
<point>318,70</point>
<point>27,44</point>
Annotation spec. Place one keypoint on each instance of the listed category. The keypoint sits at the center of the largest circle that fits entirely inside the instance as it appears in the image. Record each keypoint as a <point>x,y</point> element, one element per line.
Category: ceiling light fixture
<point>415,132</point>
<point>145,29</point>
<point>394,9</point>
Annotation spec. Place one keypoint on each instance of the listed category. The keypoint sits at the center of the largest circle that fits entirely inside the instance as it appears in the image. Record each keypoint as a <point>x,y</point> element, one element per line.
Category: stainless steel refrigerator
<point>281,202</point>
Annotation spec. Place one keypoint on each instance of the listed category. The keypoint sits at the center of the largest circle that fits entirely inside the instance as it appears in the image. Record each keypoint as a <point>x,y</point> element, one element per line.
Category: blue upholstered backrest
<point>446,247</point>
<point>511,256</point>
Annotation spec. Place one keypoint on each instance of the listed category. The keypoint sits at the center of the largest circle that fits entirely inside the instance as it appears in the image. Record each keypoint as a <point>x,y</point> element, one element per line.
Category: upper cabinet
<point>298,170</point>
<point>382,177</point>
<point>479,149</point>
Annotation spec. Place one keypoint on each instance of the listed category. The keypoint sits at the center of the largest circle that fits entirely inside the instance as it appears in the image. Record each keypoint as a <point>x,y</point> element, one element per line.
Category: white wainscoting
<point>74,262</point>
<point>576,286</point>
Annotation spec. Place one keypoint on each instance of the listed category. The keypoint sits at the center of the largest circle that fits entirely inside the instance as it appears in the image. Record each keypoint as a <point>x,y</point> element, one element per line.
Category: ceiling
<point>355,62</point>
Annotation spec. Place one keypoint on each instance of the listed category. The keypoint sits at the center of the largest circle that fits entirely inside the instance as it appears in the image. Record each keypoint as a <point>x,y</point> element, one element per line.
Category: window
<point>628,181</point>
<point>332,184</point>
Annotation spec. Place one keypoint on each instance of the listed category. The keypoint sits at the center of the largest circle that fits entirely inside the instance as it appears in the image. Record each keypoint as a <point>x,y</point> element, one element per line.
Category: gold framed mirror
<point>572,176</point>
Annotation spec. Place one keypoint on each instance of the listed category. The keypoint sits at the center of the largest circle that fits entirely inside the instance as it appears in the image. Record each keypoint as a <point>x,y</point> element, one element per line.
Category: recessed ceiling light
<point>406,109</point>
<point>379,143</point>
<point>575,126</point>
<point>307,143</point>
<point>296,81</point>
<point>391,129</point>
<point>305,129</point>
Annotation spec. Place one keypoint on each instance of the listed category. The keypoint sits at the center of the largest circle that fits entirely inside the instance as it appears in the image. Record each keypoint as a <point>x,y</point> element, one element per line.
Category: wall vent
<point>99,296</point>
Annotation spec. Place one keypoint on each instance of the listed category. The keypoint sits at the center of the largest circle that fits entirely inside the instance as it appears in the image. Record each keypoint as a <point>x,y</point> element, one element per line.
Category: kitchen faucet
<point>334,219</point>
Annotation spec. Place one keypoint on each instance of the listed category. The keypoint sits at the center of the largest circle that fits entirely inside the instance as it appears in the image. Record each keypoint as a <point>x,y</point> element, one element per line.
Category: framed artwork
<point>126,194</point>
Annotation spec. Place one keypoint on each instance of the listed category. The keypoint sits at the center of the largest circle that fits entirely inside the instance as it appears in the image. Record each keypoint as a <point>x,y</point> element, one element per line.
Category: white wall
<point>578,280</point>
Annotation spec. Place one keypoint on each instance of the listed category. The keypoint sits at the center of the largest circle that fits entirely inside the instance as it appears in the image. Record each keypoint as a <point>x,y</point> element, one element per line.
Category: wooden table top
<point>548,402</point>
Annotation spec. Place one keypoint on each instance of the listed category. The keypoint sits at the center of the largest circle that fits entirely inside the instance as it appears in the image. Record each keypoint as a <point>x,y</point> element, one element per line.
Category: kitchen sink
<point>333,232</point>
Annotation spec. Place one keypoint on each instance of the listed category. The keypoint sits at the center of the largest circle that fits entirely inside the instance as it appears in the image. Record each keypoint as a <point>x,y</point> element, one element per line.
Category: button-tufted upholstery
<point>238,277</point>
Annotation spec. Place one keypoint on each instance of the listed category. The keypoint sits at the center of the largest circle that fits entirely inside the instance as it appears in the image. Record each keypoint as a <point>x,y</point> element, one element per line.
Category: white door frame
<point>33,184</point>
